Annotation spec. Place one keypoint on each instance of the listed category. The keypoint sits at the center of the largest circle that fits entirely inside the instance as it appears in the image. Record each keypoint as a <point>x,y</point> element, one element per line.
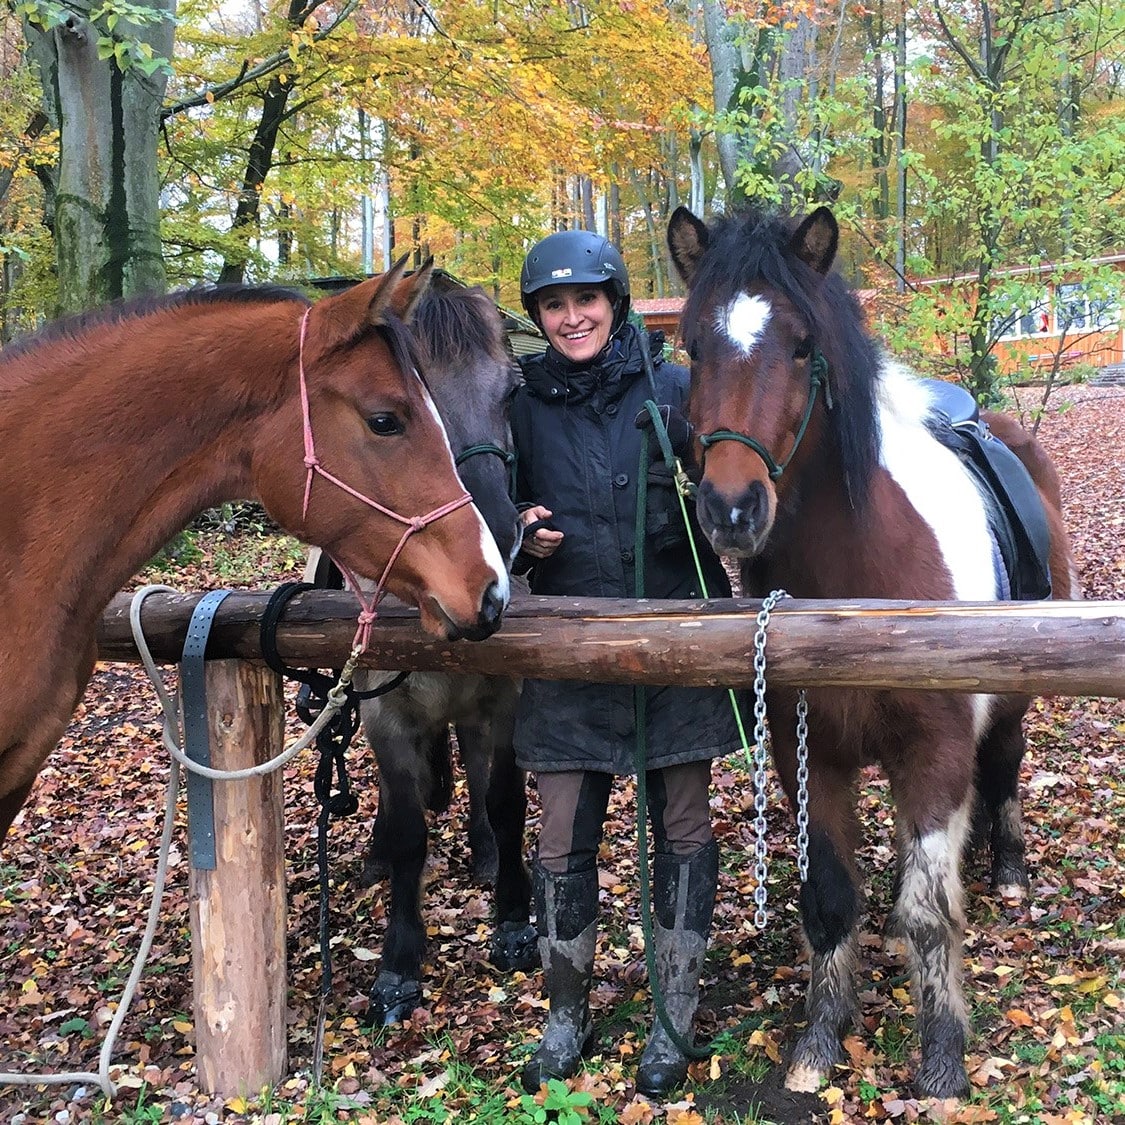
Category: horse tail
<point>441,775</point>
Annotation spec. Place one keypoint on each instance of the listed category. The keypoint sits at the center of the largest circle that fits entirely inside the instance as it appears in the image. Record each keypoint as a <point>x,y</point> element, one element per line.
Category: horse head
<point>760,324</point>
<point>371,430</point>
<point>472,376</point>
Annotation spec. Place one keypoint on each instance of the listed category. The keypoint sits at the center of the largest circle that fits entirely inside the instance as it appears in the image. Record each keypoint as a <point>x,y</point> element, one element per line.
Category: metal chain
<point>802,786</point>
<point>761,757</point>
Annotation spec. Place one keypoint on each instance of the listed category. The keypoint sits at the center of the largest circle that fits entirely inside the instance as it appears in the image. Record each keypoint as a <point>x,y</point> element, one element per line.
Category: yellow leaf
<point>1111,1000</point>
<point>1019,1017</point>
<point>238,1105</point>
<point>1063,978</point>
<point>182,1026</point>
<point>1092,984</point>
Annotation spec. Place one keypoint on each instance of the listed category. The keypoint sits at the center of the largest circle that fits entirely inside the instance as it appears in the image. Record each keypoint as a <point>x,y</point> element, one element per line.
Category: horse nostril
<point>492,607</point>
<point>756,506</point>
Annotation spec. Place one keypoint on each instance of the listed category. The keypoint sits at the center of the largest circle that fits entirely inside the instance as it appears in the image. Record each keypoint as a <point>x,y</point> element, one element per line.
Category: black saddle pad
<point>1015,509</point>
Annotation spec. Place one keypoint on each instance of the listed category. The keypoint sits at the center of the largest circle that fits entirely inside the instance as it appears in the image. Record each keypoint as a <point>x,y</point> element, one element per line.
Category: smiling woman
<point>579,429</point>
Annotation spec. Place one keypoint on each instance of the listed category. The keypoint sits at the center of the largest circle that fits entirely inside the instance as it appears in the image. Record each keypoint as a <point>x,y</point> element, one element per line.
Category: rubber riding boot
<point>566,910</point>
<point>683,901</point>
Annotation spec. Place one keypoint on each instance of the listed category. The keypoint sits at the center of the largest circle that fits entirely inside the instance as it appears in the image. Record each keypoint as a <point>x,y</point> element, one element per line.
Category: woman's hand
<point>543,542</point>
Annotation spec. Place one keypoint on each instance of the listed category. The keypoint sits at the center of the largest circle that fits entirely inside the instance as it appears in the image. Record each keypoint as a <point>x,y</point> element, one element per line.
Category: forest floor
<point>1045,980</point>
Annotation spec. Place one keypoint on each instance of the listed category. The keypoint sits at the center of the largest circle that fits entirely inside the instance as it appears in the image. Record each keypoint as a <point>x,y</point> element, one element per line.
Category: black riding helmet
<point>576,257</point>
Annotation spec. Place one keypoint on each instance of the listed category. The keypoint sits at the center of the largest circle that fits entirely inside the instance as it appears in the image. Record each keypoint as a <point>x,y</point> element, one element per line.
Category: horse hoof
<point>803,1079</point>
<point>392,999</point>
<point>514,946</point>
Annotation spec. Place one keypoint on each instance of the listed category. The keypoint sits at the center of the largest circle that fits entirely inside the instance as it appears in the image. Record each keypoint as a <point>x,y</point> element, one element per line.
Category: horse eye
<point>803,349</point>
<point>385,425</point>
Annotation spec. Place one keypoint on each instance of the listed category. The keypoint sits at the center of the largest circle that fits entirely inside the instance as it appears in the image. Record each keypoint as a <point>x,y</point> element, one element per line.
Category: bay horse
<point>822,470</point>
<point>119,426</point>
<point>472,376</point>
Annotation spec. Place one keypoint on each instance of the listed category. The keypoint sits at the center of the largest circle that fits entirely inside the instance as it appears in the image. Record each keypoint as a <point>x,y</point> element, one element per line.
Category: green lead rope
<point>684,488</point>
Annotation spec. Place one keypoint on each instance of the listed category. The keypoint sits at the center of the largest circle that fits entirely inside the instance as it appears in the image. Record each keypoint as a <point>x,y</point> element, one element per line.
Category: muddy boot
<point>683,902</point>
<point>566,909</point>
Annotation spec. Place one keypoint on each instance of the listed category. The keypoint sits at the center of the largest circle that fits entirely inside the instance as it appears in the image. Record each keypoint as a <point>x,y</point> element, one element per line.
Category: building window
<point>1034,320</point>
<point>1077,308</point>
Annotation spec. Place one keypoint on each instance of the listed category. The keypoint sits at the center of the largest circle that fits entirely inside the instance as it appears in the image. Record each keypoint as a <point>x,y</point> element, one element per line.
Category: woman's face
<point>576,319</point>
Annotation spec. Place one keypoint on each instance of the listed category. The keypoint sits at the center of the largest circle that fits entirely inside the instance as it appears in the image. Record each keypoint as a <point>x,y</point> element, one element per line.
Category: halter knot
<point>417,523</point>
<point>312,461</point>
<point>367,616</point>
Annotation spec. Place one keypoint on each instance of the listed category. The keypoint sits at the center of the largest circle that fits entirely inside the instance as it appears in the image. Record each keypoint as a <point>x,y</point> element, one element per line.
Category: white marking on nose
<point>743,321</point>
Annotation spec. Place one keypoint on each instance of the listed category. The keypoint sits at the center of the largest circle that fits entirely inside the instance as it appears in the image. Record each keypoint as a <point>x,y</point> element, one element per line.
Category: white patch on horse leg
<point>743,321</point>
<point>932,917</point>
<point>981,706</point>
<point>1010,823</point>
<point>830,1006</point>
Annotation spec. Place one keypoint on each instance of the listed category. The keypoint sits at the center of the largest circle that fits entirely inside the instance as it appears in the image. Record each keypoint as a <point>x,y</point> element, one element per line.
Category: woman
<point>578,422</point>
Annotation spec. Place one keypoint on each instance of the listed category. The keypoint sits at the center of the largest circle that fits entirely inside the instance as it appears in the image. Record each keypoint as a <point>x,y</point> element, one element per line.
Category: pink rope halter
<point>413,524</point>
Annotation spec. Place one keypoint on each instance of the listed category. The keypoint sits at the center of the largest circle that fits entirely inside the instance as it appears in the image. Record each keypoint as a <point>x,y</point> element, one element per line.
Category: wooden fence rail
<point>1044,648</point>
<point>238,910</point>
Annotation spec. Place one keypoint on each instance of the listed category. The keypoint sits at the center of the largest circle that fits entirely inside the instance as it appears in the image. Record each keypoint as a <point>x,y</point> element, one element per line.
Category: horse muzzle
<point>735,524</point>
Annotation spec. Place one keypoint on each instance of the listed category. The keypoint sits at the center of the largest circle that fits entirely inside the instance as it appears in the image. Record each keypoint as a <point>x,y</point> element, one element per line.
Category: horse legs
<point>476,757</point>
<point>515,942</point>
<point>10,805</point>
<point>929,915</point>
<point>830,902</point>
<point>376,859</point>
<point>403,789</point>
<point>999,756</point>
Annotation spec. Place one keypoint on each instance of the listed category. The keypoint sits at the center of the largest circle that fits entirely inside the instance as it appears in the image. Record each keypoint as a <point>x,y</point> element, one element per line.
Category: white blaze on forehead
<point>743,321</point>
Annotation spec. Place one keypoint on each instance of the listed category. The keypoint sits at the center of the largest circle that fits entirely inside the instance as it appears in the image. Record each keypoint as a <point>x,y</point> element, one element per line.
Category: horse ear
<point>687,240</point>
<point>816,240</point>
<point>400,292</point>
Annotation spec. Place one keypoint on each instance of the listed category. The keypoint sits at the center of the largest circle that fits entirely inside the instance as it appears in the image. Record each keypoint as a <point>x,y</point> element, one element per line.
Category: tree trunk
<point>107,212</point>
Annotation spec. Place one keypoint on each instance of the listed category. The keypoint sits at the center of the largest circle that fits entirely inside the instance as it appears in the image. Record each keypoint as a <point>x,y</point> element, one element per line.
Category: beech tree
<point>103,72</point>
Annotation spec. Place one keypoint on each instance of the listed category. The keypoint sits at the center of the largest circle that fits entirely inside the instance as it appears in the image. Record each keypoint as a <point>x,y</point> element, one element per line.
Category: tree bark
<point>107,213</point>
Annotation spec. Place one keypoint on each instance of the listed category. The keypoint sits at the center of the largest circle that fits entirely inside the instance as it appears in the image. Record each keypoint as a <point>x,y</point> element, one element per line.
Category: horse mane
<point>130,308</point>
<point>749,248</point>
<point>455,325</point>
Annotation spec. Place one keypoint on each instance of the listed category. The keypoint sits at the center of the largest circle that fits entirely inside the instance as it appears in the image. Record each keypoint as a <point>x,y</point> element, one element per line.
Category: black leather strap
<point>197,740</point>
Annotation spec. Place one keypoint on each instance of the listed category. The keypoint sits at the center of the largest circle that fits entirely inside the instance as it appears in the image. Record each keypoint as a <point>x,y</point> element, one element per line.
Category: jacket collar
<point>555,378</point>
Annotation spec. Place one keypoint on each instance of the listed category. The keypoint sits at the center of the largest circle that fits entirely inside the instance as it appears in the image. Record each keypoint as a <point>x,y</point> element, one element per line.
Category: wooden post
<point>238,909</point>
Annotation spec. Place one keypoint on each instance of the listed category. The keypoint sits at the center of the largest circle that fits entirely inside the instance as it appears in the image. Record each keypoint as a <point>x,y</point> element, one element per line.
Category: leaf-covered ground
<point>1045,980</point>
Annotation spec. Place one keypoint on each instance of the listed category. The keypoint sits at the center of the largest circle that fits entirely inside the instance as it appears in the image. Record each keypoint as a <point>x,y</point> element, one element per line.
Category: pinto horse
<point>119,426</point>
<point>472,376</point>
<point>823,471</point>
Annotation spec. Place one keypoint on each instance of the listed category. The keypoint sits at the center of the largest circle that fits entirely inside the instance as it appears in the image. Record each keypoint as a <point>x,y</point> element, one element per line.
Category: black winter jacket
<point>578,454</point>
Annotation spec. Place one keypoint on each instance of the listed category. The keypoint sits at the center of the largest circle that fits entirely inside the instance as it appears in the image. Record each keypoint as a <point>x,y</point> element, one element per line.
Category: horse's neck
<point>110,453</point>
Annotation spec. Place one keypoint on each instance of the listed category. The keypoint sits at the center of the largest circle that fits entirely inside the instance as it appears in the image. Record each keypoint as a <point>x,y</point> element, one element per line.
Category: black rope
<point>332,742</point>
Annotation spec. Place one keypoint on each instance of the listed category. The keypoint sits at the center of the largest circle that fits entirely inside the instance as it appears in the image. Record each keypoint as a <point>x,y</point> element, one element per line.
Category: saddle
<point>1016,517</point>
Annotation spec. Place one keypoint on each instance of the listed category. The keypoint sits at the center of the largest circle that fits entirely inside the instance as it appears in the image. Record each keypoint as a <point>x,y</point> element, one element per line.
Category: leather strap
<point>197,739</point>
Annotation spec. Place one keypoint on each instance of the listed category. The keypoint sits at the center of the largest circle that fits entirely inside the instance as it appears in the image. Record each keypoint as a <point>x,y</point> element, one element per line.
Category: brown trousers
<point>573,808</point>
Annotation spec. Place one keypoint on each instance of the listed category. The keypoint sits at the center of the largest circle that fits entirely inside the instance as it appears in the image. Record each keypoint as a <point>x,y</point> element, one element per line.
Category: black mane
<point>459,324</point>
<point>751,247</point>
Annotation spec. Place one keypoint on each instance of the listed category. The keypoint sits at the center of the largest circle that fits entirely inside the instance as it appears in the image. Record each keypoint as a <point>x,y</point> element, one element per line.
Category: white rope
<point>172,741</point>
